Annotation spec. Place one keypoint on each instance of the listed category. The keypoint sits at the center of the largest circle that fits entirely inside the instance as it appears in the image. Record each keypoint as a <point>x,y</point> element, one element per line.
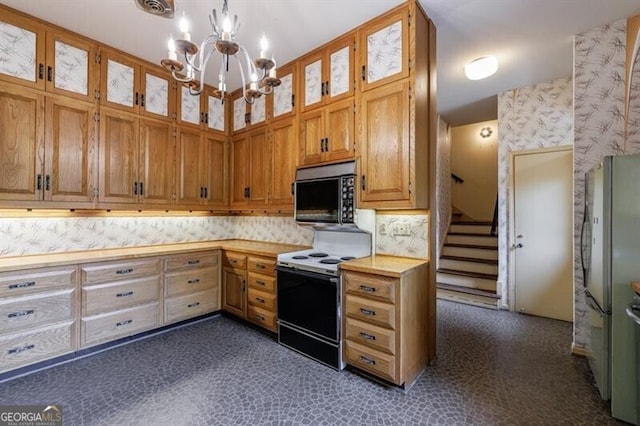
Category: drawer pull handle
<point>367,336</point>
<point>193,262</point>
<point>22,349</point>
<point>234,261</point>
<point>262,283</point>
<point>20,313</point>
<point>124,271</point>
<point>195,281</point>
<point>193,305</point>
<point>22,285</point>
<point>367,312</point>
<point>260,300</point>
<point>128,293</point>
<point>368,289</point>
<point>120,324</point>
<point>259,266</point>
<point>367,360</point>
<point>259,317</point>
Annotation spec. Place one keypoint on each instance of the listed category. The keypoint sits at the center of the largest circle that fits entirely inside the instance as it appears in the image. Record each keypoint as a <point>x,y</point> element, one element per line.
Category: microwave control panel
<point>347,183</point>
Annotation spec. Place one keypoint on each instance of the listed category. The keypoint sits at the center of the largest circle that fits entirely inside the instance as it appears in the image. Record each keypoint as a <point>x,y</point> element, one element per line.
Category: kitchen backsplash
<point>23,236</point>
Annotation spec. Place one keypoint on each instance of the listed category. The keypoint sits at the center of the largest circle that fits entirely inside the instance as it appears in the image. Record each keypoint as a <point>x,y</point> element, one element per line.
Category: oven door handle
<point>316,275</point>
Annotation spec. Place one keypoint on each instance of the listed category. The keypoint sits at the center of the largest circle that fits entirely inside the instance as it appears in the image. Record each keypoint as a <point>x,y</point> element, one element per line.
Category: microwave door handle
<point>593,304</point>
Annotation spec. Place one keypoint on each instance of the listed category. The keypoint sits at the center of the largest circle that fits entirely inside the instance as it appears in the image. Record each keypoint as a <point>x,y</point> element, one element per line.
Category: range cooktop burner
<point>318,255</point>
<point>330,261</point>
<point>347,258</point>
<point>299,257</point>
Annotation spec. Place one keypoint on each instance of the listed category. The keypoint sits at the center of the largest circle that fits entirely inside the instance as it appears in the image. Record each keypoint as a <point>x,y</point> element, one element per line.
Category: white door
<point>542,244</point>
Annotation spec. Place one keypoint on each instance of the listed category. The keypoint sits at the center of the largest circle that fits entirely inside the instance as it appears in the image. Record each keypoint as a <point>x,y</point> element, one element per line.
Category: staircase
<point>468,267</point>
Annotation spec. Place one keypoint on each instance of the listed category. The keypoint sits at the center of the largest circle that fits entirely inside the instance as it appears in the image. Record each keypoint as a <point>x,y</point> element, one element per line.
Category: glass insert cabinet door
<point>20,44</point>
<point>284,94</point>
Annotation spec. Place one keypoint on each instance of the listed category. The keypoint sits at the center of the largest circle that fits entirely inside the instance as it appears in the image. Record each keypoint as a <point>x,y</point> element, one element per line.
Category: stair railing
<point>456,178</point>
<point>494,222</point>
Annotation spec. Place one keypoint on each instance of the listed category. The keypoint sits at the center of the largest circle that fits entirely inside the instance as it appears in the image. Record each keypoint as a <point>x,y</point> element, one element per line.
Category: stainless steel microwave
<point>325,194</point>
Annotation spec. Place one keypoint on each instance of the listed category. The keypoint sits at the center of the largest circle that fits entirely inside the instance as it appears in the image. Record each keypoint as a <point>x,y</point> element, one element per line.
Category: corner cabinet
<point>250,169</point>
<point>206,110</point>
<point>397,109</point>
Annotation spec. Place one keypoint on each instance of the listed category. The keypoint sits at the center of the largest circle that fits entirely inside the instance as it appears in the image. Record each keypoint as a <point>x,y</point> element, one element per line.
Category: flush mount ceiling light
<point>481,68</point>
<point>485,132</point>
<point>221,44</point>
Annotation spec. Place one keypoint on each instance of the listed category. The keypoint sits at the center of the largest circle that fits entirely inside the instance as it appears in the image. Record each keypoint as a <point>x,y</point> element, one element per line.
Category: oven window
<point>309,301</point>
<point>318,200</point>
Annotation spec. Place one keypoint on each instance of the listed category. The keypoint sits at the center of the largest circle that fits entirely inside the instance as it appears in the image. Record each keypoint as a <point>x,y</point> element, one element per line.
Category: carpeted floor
<point>493,368</point>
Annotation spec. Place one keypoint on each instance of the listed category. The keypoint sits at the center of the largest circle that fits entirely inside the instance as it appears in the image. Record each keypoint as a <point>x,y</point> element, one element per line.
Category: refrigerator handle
<point>593,304</point>
<point>584,222</point>
<point>631,310</point>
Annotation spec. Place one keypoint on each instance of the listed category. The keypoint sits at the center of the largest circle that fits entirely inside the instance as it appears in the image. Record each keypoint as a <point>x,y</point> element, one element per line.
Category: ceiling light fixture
<point>481,68</point>
<point>485,132</point>
<point>261,72</point>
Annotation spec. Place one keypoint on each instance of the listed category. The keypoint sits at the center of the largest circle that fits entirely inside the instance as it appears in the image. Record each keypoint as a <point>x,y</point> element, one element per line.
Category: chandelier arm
<point>251,68</point>
<point>247,99</point>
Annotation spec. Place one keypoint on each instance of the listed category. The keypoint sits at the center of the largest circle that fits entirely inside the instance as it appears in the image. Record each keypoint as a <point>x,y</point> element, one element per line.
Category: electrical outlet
<point>401,229</point>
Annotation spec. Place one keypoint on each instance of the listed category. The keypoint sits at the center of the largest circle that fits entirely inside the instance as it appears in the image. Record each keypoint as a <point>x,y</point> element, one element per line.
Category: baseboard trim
<point>580,351</point>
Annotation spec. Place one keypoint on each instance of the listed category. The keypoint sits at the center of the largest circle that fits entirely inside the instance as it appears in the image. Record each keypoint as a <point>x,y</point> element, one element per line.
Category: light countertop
<point>383,265</point>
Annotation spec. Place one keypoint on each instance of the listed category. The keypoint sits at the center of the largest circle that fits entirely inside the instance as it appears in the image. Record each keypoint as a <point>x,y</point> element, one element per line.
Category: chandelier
<point>260,73</point>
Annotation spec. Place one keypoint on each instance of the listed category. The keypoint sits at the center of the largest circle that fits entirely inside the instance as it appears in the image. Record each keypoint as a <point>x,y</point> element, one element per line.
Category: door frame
<point>508,299</point>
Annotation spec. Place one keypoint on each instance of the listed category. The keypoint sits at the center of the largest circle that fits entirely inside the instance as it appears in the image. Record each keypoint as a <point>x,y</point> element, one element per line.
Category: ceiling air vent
<point>162,8</point>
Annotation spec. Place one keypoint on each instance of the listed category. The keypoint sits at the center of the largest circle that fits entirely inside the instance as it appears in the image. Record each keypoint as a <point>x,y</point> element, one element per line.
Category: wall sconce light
<point>481,68</point>
<point>485,132</point>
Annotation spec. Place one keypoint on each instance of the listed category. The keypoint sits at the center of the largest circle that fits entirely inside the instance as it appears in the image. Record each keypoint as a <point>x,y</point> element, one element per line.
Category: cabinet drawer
<point>378,363</point>
<point>191,281</point>
<point>32,280</point>
<point>262,282</point>
<point>260,298</point>
<point>119,295</point>
<point>191,260</point>
<point>112,271</point>
<point>191,305</point>
<point>371,311</point>
<point>113,325</point>
<point>370,335</point>
<point>26,348</point>
<point>374,286</point>
<point>19,313</point>
<point>235,260</point>
<point>261,317</point>
<point>261,265</point>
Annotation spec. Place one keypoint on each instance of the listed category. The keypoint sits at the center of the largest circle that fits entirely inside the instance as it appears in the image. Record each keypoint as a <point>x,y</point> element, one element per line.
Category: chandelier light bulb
<point>226,24</point>
<point>184,27</point>
<point>171,47</point>
<point>481,68</point>
<point>264,45</point>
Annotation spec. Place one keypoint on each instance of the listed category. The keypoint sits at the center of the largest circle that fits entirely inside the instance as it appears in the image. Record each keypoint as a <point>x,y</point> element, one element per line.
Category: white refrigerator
<point>610,248</point>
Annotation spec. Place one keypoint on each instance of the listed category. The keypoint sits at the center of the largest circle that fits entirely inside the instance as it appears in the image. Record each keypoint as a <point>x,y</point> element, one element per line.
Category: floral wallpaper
<point>72,68</point>
<point>384,50</point>
<point>443,183</point>
<point>190,106</point>
<point>239,111</point>
<point>416,244</point>
<point>312,83</point>
<point>20,44</point>
<point>258,112</point>
<point>282,96</point>
<point>119,83</point>
<point>599,69</point>
<point>531,117</point>
<point>157,95</point>
<point>216,114</point>
<point>339,72</point>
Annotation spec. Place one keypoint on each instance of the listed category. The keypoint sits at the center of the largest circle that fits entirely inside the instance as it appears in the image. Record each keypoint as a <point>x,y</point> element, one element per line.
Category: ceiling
<point>532,39</point>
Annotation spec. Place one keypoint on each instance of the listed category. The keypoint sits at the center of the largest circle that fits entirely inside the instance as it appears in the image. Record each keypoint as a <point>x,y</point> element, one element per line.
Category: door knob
<point>520,236</point>
<point>516,246</point>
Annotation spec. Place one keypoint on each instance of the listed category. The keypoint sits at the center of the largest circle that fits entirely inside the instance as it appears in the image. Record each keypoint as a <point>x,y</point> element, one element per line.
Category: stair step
<point>466,222</point>
<point>466,281</point>
<point>468,274</point>
<point>472,239</point>
<point>471,246</point>
<point>467,299</point>
<point>470,259</point>
<point>470,252</point>
<point>470,228</point>
<point>481,266</point>
<point>467,290</point>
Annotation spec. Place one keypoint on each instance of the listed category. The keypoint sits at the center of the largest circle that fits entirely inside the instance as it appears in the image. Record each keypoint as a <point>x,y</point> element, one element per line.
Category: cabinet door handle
<point>47,183</point>
<point>364,72</point>
<point>135,188</point>
<point>193,262</point>
<point>206,192</point>
<point>202,192</point>
<point>260,300</point>
<point>259,266</point>
<point>368,312</point>
<point>262,283</point>
<point>364,183</point>
<point>194,281</point>
<point>39,182</point>
<point>125,294</point>
<point>367,360</point>
<point>293,100</point>
<point>259,317</point>
<point>137,98</point>
<point>244,282</point>
<point>367,336</point>
<point>123,323</point>
<point>49,74</point>
<point>368,289</point>
<point>20,313</point>
<point>142,99</point>
<point>141,184</point>
<point>124,271</point>
<point>193,305</point>
<point>22,349</point>
<point>206,118</point>
<point>326,144</point>
<point>41,71</point>
<point>22,285</point>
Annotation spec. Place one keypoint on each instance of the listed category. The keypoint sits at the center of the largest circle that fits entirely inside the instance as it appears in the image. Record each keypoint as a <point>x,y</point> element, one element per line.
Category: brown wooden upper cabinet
<point>137,159</point>
<point>206,110</point>
<point>328,73</point>
<point>247,116</point>
<point>282,102</point>
<point>284,160</point>
<point>250,169</point>
<point>327,134</point>
<point>128,84</point>
<point>48,146</point>
<point>384,56</point>
<point>45,58</point>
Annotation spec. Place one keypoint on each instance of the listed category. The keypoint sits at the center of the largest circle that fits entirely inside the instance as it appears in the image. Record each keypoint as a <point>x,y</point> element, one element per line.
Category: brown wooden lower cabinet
<point>386,323</point>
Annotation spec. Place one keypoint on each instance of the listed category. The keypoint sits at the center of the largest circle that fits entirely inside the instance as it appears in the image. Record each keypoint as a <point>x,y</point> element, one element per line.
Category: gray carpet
<point>494,368</point>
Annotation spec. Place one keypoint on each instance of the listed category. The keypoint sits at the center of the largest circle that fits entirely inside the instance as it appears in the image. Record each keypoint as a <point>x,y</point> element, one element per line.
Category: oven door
<point>309,301</point>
